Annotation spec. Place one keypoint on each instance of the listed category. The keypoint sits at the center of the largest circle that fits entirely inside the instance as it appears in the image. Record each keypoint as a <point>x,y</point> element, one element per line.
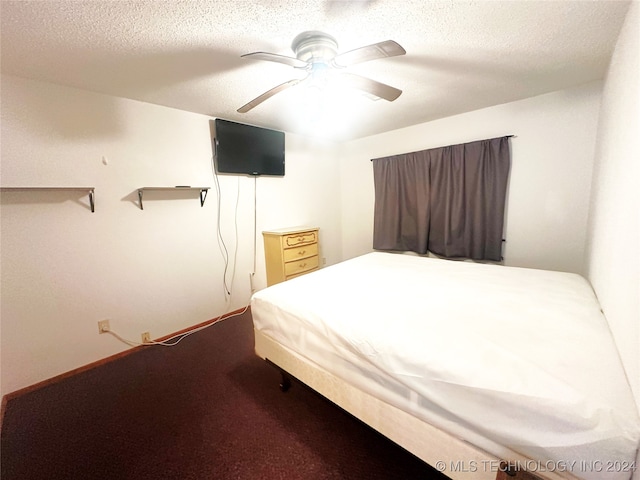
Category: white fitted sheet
<point>505,358</point>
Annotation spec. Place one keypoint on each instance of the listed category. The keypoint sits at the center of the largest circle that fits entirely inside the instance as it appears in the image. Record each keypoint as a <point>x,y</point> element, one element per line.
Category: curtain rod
<point>472,141</point>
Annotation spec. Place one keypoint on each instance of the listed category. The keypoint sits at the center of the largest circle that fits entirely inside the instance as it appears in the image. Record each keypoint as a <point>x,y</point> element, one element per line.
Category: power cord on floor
<point>180,336</point>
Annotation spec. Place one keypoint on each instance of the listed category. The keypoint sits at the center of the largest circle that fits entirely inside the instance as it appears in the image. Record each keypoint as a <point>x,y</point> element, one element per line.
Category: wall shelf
<point>203,192</point>
<point>89,190</point>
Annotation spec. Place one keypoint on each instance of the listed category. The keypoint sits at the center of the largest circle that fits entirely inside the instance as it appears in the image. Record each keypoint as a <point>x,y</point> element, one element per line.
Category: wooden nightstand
<point>290,252</point>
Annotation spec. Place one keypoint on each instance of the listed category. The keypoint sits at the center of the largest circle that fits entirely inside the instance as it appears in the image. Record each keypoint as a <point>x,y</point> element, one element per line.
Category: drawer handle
<point>302,252</point>
<point>302,265</point>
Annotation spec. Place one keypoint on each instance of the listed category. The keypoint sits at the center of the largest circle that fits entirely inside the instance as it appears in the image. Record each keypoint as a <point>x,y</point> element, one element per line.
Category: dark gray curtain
<point>449,201</point>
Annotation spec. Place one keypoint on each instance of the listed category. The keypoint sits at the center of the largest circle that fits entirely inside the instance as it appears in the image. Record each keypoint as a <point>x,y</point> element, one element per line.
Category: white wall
<point>613,251</point>
<point>158,270</point>
<point>550,178</point>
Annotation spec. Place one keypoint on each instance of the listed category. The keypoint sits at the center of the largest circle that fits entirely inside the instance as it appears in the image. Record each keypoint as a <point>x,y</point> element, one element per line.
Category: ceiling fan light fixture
<point>316,52</point>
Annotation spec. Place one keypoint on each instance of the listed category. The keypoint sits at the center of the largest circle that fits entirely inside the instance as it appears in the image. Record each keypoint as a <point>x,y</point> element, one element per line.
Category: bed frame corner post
<point>510,471</point>
<point>285,385</point>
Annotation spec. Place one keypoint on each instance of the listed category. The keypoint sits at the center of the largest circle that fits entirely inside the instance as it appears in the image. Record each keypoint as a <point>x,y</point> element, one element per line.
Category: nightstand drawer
<point>299,266</point>
<point>290,252</point>
<point>293,254</point>
<point>301,238</point>
<point>289,277</point>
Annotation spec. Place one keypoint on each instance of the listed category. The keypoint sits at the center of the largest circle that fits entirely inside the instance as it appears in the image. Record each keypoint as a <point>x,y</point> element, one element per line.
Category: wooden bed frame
<point>452,456</point>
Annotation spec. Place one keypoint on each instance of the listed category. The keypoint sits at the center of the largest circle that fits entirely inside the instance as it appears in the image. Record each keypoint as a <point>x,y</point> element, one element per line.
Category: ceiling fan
<point>316,53</point>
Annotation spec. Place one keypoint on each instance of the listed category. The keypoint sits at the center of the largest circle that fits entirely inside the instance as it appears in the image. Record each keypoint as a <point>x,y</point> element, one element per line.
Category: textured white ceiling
<point>461,55</point>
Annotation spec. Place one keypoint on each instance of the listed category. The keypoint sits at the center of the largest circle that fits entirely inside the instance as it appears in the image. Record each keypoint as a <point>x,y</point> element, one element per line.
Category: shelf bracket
<point>140,190</point>
<point>203,195</point>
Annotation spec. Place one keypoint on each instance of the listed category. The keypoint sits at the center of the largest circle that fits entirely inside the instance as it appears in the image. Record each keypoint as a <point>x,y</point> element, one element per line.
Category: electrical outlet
<point>146,337</point>
<point>103,326</point>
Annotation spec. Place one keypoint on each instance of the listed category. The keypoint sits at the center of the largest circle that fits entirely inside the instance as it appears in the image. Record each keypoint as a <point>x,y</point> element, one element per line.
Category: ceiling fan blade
<point>268,94</point>
<point>369,86</point>
<point>272,57</point>
<point>385,49</point>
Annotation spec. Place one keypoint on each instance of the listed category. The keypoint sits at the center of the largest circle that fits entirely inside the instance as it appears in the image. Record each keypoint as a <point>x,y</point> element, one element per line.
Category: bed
<point>477,369</point>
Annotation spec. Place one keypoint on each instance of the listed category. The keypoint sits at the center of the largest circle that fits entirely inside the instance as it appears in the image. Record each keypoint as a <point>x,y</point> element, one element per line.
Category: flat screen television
<point>241,149</point>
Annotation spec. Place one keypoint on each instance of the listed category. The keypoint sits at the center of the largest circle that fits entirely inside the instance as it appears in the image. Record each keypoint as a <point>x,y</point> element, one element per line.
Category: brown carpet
<point>205,409</point>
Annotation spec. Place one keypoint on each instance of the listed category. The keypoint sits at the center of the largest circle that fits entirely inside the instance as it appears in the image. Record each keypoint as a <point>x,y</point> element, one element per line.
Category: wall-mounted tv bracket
<point>203,192</point>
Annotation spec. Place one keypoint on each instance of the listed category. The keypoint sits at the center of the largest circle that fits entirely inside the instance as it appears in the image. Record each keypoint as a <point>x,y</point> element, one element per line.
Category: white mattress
<point>505,358</point>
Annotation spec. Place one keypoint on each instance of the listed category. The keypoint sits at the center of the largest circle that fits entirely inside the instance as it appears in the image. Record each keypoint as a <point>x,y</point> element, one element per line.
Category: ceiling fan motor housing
<point>314,47</point>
